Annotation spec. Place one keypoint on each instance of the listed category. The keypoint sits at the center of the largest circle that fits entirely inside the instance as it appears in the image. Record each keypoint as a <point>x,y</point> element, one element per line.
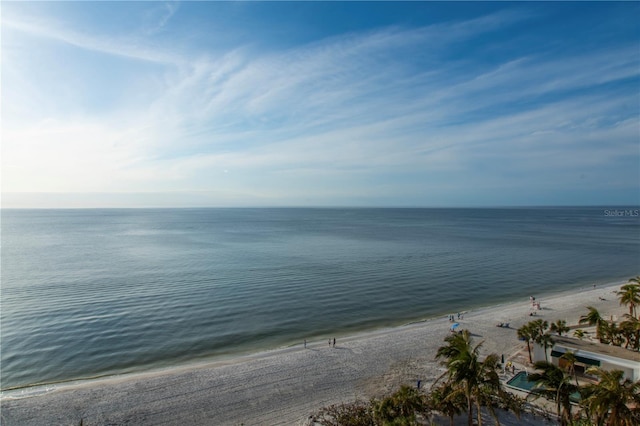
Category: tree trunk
<point>613,416</point>
<point>529,350</point>
<point>546,357</point>
<point>566,413</point>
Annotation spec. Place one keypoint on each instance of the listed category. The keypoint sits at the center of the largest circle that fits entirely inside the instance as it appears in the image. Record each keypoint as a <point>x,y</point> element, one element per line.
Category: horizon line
<point>319,207</point>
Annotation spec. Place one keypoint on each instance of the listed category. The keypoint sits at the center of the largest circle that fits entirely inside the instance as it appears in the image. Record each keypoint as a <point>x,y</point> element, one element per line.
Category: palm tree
<point>546,341</point>
<point>630,329</point>
<point>400,407</point>
<point>612,401</point>
<point>448,398</point>
<point>570,359</point>
<point>593,317</point>
<point>489,391</point>
<point>579,333</point>
<point>477,378</point>
<point>559,327</point>
<point>539,327</point>
<point>629,295</point>
<point>524,333</point>
<point>612,333</point>
<point>554,384</point>
<point>461,362</point>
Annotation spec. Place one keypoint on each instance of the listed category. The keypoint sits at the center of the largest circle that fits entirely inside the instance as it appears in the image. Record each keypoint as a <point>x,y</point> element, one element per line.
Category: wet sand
<point>284,386</point>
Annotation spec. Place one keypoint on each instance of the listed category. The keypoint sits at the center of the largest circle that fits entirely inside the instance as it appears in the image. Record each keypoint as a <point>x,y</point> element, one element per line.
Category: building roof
<point>597,348</point>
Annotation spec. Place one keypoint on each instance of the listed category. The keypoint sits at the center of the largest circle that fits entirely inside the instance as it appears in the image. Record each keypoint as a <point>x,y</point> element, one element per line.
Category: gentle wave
<point>96,292</point>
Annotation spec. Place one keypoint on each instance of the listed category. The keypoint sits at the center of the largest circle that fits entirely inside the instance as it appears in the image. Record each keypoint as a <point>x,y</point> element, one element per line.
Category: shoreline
<point>233,357</point>
<point>286,384</point>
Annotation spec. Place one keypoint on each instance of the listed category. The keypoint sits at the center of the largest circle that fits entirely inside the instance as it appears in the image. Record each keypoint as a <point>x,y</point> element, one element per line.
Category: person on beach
<point>305,343</point>
<point>334,342</point>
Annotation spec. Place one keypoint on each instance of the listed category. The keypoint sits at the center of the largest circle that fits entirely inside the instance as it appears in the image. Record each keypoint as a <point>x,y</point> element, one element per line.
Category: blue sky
<point>167,104</point>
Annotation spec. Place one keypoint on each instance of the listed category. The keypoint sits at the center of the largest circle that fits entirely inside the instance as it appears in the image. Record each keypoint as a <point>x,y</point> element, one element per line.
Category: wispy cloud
<point>158,17</point>
<point>383,111</point>
<point>125,46</point>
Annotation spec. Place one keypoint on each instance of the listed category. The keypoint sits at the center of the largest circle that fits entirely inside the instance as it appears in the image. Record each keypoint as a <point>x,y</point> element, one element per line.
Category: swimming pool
<point>520,382</point>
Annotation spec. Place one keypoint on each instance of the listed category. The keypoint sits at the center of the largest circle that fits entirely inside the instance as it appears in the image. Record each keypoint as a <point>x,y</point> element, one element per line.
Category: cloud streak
<point>383,111</point>
<point>126,47</point>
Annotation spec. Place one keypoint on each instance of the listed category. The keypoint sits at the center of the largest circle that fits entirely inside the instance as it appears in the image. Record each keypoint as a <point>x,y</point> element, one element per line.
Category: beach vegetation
<point>535,331</point>
<point>510,402</point>
<point>629,295</point>
<point>478,379</point>
<point>560,326</point>
<point>357,413</point>
<point>546,341</point>
<point>612,401</point>
<point>448,399</point>
<point>554,384</point>
<point>401,408</point>
<point>630,330</point>
<point>581,421</point>
<point>525,333</point>
<point>579,333</point>
<point>612,334</point>
<point>539,327</point>
<point>625,333</point>
<point>569,360</point>
<point>593,317</point>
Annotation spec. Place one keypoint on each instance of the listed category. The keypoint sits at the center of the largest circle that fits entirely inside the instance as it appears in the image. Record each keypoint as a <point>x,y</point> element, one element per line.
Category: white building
<point>591,354</point>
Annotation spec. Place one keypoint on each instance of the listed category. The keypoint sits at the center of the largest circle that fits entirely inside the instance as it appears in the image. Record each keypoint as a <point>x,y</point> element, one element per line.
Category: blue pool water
<point>520,381</point>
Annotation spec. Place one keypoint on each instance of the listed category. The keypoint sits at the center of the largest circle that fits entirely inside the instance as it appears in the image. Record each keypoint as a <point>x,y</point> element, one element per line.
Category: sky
<point>385,104</point>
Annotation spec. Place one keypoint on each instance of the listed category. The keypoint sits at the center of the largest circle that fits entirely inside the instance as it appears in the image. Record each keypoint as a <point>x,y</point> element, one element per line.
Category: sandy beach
<point>285,386</point>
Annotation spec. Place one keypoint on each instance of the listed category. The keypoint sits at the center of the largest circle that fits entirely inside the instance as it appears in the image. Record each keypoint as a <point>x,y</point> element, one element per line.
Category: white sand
<point>285,386</point>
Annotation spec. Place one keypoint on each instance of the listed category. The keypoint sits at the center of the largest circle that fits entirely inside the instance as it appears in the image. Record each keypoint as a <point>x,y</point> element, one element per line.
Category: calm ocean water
<point>87,293</point>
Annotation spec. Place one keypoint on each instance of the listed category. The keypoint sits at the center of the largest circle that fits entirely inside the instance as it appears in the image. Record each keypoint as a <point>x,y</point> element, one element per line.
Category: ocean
<point>96,292</point>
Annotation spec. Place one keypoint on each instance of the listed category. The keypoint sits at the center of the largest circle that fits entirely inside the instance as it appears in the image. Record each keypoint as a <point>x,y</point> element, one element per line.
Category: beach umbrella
<point>455,325</point>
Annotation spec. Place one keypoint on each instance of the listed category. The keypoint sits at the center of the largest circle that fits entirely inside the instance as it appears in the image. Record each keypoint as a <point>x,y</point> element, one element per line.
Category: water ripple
<point>93,292</point>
